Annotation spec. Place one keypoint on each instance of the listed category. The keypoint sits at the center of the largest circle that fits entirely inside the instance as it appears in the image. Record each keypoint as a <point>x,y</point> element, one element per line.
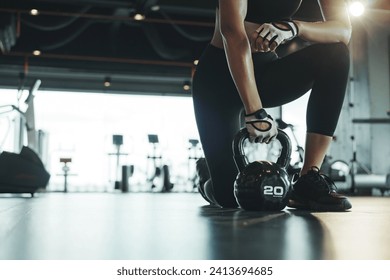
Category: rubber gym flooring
<point>144,226</point>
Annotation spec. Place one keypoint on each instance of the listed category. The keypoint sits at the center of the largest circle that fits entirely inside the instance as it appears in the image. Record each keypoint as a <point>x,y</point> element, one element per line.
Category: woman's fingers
<point>273,46</point>
<point>260,44</point>
<point>263,45</point>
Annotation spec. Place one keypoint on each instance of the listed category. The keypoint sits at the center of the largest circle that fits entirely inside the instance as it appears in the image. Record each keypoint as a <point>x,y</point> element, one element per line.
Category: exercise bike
<point>194,153</point>
<point>295,167</point>
<point>23,172</point>
<point>160,171</point>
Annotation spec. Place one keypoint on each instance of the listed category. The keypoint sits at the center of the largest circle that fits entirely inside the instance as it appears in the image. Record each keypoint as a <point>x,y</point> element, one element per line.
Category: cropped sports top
<point>260,11</point>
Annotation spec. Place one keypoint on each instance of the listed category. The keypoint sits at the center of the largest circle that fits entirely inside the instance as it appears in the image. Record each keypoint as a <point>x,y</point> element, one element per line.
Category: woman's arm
<point>238,52</point>
<point>335,28</point>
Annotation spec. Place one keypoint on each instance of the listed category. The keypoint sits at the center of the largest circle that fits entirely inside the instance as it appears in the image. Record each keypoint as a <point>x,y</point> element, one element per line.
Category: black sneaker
<point>202,172</point>
<point>315,191</point>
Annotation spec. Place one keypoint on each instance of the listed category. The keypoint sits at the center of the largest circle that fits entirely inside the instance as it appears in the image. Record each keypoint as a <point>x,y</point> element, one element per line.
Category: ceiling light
<point>107,82</point>
<point>139,17</point>
<point>36,52</point>
<point>196,62</point>
<point>155,8</point>
<point>186,85</point>
<point>356,8</point>
<point>34,12</point>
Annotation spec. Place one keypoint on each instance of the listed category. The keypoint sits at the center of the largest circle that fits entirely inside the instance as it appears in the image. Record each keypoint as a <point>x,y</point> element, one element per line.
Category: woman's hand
<point>270,35</point>
<point>261,127</point>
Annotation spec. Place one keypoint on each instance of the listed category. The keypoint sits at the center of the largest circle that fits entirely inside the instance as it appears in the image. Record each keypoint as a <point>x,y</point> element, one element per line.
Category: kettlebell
<point>261,185</point>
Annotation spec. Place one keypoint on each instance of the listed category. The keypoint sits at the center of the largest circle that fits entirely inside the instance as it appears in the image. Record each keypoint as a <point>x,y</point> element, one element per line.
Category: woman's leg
<point>316,147</point>
<point>217,107</point>
<point>323,68</point>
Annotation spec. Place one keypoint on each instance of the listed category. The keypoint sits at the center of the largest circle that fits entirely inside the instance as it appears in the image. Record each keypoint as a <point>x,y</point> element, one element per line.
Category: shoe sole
<point>345,205</point>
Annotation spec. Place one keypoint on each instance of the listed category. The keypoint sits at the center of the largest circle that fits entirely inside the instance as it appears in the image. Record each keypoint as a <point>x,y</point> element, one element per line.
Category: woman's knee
<point>334,55</point>
<point>339,53</point>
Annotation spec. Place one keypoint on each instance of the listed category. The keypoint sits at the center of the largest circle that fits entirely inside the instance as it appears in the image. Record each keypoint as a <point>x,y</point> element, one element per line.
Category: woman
<point>240,69</point>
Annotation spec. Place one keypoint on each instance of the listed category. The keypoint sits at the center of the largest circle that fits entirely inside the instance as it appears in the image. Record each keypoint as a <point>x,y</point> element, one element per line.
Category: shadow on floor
<point>238,234</point>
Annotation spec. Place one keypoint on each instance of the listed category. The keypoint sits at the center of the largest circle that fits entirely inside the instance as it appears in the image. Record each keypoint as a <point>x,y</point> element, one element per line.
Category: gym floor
<point>144,226</point>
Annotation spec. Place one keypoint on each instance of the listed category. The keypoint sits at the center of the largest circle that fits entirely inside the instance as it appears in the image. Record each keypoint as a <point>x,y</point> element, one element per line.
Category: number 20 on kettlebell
<point>262,185</point>
<point>275,191</point>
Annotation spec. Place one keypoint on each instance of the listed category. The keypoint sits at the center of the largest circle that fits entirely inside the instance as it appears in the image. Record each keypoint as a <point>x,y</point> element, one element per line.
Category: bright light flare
<point>34,12</point>
<point>356,8</point>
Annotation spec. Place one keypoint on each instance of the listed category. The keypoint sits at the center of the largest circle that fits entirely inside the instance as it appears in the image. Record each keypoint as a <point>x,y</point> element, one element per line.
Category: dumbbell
<point>262,185</point>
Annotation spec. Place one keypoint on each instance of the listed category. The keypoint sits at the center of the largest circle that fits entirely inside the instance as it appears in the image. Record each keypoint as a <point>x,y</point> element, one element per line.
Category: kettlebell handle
<point>238,149</point>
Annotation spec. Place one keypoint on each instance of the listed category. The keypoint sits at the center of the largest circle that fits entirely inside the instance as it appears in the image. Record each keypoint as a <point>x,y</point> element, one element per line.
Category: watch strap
<point>259,114</point>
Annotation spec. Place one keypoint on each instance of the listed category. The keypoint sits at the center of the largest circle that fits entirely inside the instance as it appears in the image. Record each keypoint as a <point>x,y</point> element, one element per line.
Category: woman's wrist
<point>252,111</point>
<point>298,26</point>
<point>259,114</point>
<point>253,107</point>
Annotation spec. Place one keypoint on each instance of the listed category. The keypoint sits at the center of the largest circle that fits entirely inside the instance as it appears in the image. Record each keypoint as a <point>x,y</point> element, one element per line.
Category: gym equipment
<point>372,121</point>
<point>167,185</point>
<point>262,185</point>
<point>354,162</point>
<point>66,169</point>
<point>8,31</point>
<point>127,171</point>
<point>160,171</point>
<point>25,123</point>
<point>368,180</point>
<point>22,173</point>
<point>371,181</point>
<point>194,153</point>
<point>117,141</point>
<point>296,166</point>
<point>338,170</point>
<point>153,139</point>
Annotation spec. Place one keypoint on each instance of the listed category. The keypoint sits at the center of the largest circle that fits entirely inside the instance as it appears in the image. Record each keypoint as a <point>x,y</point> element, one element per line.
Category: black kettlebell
<point>261,185</point>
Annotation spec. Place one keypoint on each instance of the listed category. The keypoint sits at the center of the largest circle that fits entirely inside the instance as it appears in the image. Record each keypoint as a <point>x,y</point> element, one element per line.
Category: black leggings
<point>323,68</point>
